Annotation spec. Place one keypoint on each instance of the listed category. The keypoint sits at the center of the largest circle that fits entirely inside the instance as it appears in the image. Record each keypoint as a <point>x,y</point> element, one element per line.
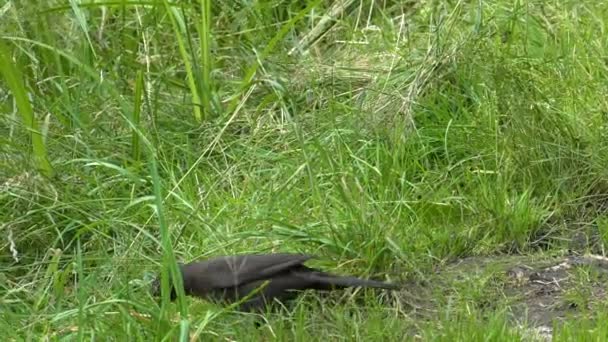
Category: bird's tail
<point>348,281</point>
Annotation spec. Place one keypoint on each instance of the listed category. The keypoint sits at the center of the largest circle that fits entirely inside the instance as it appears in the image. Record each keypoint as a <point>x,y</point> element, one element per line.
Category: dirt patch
<point>554,293</point>
<point>536,293</point>
<point>539,292</point>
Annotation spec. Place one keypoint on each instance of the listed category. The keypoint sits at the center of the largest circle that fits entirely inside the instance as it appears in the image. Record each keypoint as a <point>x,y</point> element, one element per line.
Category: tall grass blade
<point>205,37</point>
<point>179,28</point>
<point>14,78</point>
<point>137,103</point>
<point>169,267</point>
<point>82,22</point>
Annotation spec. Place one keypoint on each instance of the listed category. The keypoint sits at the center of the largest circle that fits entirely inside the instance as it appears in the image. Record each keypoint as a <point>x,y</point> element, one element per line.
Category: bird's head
<point>155,287</point>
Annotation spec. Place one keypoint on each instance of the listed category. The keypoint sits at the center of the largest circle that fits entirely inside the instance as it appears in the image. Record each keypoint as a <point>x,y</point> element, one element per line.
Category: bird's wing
<point>231,271</point>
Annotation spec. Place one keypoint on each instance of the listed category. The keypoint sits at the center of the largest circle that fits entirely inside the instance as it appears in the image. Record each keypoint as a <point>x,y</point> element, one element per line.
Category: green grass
<point>409,135</point>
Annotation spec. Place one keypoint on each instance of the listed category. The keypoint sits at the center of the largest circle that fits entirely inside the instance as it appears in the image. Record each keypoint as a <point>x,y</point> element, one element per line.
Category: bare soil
<point>542,292</point>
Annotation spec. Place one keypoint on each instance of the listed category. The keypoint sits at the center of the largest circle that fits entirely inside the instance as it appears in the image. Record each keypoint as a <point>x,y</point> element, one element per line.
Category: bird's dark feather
<point>280,276</point>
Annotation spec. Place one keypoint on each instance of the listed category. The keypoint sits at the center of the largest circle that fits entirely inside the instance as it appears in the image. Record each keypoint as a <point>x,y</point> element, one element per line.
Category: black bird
<point>229,279</point>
